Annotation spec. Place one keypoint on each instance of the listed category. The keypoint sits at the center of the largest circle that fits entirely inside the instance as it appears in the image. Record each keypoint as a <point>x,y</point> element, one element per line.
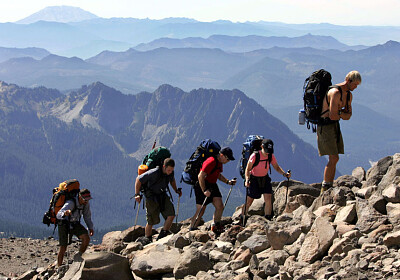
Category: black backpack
<point>207,148</point>
<point>315,89</point>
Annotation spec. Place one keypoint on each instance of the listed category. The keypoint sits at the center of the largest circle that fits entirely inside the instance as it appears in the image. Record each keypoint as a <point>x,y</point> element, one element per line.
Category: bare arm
<point>347,112</point>
<point>202,180</point>
<point>173,184</point>
<point>138,185</point>
<point>280,170</point>
<point>247,173</point>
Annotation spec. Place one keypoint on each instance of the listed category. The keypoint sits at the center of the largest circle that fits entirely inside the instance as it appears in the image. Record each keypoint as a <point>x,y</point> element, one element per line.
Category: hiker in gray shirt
<point>154,184</point>
<point>69,224</point>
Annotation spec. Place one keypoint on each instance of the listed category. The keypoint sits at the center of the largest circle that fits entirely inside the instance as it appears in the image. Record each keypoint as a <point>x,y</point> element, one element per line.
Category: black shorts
<point>259,186</point>
<point>213,187</point>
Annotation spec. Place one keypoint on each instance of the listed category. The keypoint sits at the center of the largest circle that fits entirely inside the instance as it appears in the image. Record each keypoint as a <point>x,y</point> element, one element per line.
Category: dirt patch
<point>18,255</point>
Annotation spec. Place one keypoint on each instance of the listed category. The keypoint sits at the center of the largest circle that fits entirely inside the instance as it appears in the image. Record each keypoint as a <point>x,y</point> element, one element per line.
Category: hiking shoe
<point>268,217</point>
<point>144,240</point>
<point>325,186</point>
<point>217,228</point>
<point>163,233</point>
<point>78,257</point>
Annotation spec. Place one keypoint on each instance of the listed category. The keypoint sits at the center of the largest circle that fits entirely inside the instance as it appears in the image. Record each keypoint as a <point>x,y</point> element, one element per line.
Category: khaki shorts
<point>330,141</point>
<point>76,230</point>
<point>153,210</point>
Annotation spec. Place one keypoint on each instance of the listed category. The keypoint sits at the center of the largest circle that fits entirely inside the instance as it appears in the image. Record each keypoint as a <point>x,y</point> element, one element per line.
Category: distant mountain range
<point>59,14</point>
<point>67,36</point>
<point>8,53</point>
<point>273,77</point>
<point>99,136</point>
<point>248,43</point>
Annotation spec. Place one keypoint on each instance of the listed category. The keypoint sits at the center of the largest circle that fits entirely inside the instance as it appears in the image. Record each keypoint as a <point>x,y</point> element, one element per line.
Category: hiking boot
<point>144,240</point>
<point>163,233</point>
<point>268,217</point>
<point>78,257</point>
<point>217,228</point>
<point>325,186</point>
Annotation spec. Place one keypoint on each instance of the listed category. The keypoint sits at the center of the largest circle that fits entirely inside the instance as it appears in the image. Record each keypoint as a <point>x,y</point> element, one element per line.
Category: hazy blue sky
<point>353,12</point>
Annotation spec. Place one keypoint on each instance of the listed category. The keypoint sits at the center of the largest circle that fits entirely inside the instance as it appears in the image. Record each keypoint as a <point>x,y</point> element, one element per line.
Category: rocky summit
<point>351,231</point>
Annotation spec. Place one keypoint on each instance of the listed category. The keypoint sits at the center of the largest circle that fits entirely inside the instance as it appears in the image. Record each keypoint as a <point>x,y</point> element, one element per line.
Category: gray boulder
<point>392,193</point>
<point>317,241</point>
<point>283,234</point>
<point>378,170</point>
<point>190,263</point>
<point>359,173</point>
<point>257,243</point>
<point>368,218</point>
<point>392,176</point>
<point>154,260</point>
<point>100,266</point>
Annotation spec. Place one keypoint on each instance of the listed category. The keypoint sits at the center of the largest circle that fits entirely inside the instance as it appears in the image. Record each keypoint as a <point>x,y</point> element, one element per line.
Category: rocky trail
<point>351,231</point>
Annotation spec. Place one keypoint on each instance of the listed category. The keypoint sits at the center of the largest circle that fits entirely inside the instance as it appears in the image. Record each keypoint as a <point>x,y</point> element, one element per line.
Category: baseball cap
<point>85,194</point>
<point>226,151</point>
<point>268,145</point>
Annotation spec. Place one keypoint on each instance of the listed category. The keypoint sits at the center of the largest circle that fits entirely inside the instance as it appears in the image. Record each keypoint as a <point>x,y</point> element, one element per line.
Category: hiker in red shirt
<point>207,191</point>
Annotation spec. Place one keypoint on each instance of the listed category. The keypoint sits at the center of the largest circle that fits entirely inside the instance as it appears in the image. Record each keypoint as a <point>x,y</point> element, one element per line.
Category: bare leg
<point>60,256</point>
<point>268,203</point>
<point>219,208</point>
<point>85,242</point>
<point>147,230</point>
<point>168,222</point>
<point>330,168</point>
<point>249,202</point>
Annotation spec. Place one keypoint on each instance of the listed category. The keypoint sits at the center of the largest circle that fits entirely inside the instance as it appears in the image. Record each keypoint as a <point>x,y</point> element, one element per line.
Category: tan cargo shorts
<point>330,141</point>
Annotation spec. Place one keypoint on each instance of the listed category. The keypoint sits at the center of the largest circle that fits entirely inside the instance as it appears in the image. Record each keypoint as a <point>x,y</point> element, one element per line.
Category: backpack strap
<point>257,161</point>
<point>215,167</point>
<point>327,100</point>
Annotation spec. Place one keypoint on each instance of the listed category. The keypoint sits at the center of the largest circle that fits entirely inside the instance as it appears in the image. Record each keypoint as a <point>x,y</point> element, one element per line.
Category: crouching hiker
<point>207,191</point>
<point>257,180</point>
<point>69,224</point>
<point>155,187</point>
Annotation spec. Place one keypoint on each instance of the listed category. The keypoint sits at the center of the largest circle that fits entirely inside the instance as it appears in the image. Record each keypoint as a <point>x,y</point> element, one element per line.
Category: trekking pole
<point>245,206</point>
<point>287,188</point>
<point>229,193</point>
<point>201,209</point>
<point>177,209</point>
<point>154,144</point>
<point>137,211</point>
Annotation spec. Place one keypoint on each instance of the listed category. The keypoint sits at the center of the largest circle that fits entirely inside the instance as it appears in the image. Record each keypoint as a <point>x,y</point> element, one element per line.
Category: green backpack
<point>156,157</point>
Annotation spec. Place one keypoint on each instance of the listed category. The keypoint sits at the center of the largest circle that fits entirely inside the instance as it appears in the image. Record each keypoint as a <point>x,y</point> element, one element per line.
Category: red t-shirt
<point>208,166</point>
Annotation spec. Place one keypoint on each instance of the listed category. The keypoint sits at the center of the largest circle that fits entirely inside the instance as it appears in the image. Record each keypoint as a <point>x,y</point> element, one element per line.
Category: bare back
<point>335,102</point>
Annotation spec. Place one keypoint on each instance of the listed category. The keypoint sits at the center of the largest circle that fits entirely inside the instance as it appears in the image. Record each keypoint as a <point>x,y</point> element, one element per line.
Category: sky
<point>340,12</point>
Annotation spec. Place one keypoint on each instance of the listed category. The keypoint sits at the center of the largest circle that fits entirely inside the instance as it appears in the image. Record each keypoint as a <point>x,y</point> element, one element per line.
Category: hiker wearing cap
<point>69,223</point>
<point>157,200</point>
<point>257,180</point>
<point>336,106</point>
<point>207,191</point>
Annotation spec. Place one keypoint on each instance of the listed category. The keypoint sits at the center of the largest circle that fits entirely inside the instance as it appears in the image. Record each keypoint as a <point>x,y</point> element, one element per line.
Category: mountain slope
<point>99,136</point>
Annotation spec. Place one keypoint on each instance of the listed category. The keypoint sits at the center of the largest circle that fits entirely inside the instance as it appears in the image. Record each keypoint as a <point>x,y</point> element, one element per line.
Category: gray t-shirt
<point>155,182</point>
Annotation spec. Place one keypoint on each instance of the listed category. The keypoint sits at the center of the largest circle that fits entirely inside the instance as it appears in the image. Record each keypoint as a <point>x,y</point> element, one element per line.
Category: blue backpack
<point>251,145</point>
<point>207,148</point>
